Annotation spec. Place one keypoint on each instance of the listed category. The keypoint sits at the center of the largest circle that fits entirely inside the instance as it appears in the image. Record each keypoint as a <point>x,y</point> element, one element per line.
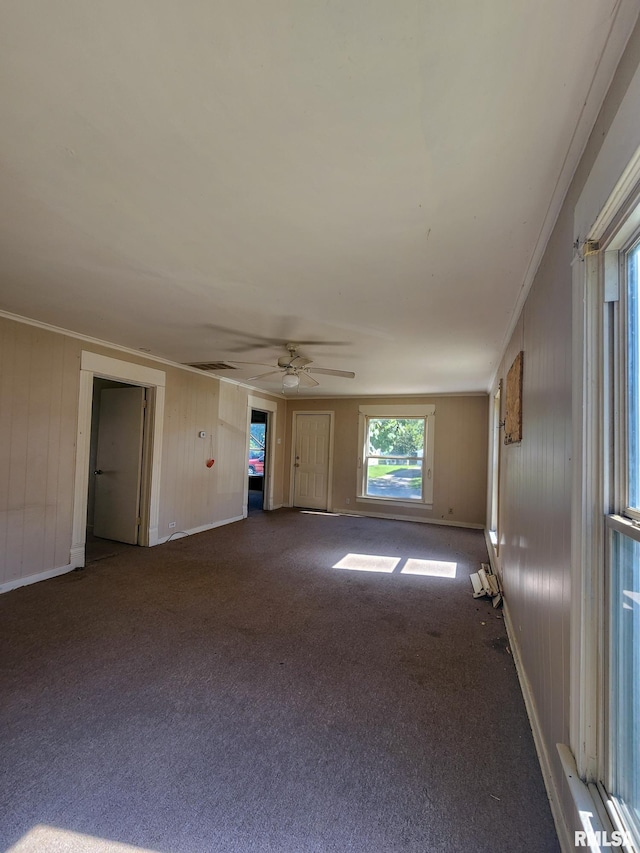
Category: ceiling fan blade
<point>245,340</point>
<point>322,343</point>
<point>263,375</point>
<point>307,380</point>
<point>255,363</point>
<point>300,361</point>
<point>347,374</point>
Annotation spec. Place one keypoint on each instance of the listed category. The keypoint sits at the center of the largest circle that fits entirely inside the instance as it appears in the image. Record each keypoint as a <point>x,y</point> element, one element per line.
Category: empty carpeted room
<point>319,426</point>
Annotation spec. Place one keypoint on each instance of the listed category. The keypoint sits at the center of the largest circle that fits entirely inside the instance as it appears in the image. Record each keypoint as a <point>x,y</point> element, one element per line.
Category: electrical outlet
<point>348,501</point>
<point>450,510</point>
<point>172,524</point>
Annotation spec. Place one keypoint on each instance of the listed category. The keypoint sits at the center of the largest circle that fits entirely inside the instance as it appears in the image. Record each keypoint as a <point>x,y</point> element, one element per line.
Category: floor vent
<point>211,365</point>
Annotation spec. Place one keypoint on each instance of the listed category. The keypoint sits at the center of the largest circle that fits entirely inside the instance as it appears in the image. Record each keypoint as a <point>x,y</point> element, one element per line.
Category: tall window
<point>605,545</point>
<point>633,384</point>
<point>621,772</point>
<point>395,450</point>
<point>397,457</point>
<point>623,784</point>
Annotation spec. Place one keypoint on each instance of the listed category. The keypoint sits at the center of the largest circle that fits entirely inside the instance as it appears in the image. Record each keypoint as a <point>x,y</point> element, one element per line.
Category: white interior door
<point>311,464</point>
<point>119,464</point>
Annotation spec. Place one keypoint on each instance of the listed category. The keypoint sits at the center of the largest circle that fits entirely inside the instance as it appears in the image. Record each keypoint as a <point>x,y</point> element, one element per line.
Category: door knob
<point>99,471</point>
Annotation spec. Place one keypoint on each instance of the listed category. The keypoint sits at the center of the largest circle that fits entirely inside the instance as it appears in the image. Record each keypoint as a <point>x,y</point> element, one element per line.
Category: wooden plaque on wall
<point>513,407</point>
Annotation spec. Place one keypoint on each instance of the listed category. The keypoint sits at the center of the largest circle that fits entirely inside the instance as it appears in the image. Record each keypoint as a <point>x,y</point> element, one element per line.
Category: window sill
<point>588,809</point>
<point>597,812</point>
<point>393,502</point>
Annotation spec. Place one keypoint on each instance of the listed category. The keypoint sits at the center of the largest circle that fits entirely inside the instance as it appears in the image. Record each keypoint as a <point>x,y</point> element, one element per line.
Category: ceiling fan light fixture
<point>290,380</point>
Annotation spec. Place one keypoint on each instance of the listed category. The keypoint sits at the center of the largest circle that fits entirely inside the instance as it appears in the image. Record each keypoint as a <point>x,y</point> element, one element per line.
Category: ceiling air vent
<point>212,365</point>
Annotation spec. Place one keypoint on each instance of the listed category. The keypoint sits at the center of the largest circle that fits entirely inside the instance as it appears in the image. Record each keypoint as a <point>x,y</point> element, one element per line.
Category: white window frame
<point>428,413</point>
<point>599,481</point>
<point>621,240</point>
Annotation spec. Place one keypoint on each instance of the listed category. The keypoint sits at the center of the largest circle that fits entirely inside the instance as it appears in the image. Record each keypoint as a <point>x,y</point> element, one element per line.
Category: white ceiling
<point>195,177</point>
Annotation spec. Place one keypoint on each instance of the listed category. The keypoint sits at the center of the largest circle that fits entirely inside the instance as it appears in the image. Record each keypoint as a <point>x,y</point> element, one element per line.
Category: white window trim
<point>600,231</point>
<point>619,241</point>
<point>426,411</point>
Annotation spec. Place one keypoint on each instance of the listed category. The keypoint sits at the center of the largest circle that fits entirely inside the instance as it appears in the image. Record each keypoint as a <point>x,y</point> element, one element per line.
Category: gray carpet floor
<point>233,692</point>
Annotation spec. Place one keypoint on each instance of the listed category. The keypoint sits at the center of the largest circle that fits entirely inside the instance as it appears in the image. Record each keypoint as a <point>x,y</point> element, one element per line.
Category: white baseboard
<point>348,511</point>
<point>41,576</point>
<point>77,557</point>
<point>180,534</point>
<point>564,836</point>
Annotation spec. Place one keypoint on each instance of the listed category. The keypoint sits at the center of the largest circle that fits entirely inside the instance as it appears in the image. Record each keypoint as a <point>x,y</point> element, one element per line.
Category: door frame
<point>92,364</point>
<point>271,409</point>
<point>294,432</point>
<point>495,467</point>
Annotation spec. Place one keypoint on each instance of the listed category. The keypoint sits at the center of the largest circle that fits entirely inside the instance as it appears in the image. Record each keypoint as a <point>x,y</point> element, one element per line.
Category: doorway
<point>312,446</point>
<point>257,461</point>
<point>153,381</point>
<point>114,499</point>
<point>267,413</point>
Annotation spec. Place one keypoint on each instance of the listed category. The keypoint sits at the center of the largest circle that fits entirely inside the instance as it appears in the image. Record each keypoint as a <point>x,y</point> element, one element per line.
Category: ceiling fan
<point>295,370</point>
<point>243,341</point>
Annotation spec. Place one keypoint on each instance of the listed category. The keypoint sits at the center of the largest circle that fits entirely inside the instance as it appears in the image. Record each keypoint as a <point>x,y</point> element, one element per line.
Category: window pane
<point>394,477</point>
<point>625,676</point>
<point>633,400</point>
<point>396,437</point>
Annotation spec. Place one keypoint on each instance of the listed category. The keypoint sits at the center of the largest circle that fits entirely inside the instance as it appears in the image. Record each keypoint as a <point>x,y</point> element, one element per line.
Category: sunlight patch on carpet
<point>367,563</point>
<point>432,568</point>
<point>51,838</point>
<point>399,565</point>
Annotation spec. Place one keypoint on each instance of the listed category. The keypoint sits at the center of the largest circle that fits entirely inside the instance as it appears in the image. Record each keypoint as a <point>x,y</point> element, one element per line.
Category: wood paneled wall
<point>39,380</point>
<point>232,447</point>
<point>187,486</point>
<point>535,480</point>
<point>535,511</point>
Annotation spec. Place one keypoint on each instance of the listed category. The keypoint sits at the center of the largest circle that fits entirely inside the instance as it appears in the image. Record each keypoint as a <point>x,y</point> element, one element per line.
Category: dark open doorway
<point>257,462</point>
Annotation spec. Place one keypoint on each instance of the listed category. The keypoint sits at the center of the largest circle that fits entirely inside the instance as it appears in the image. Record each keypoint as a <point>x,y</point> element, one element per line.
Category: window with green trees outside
<point>395,452</point>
